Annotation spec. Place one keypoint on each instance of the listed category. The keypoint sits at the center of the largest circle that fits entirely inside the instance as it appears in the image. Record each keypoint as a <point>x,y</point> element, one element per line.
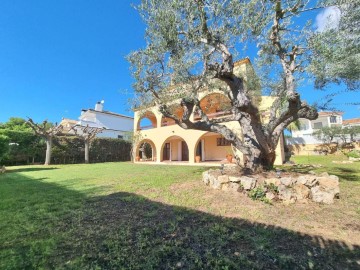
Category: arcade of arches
<point>164,141</point>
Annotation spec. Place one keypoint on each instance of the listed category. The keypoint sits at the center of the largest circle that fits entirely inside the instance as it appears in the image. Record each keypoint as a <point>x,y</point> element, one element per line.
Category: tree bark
<point>48,150</point>
<point>87,152</point>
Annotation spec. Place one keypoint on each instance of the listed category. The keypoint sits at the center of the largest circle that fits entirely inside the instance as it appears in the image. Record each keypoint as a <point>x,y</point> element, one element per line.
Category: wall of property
<point>212,151</point>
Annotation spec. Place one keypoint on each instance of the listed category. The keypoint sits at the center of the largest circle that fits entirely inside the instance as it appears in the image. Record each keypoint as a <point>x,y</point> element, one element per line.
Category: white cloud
<point>327,19</point>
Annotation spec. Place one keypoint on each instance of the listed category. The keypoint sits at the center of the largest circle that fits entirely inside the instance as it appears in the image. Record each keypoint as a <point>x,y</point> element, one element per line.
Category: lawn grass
<point>131,216</point>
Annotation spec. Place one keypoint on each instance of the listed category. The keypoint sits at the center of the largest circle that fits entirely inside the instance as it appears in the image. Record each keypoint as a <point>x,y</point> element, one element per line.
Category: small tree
<point>48,132</point>
<point>353,132</point>
<point>88,134</point>
<point>327,135</point>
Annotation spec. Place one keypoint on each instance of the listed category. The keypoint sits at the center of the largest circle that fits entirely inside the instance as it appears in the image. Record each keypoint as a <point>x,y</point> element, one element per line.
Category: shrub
<point>354,154</point>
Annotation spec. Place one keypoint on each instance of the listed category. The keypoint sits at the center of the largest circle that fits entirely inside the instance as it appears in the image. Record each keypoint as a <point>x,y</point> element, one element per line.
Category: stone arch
<point>212,146</point>
<point>174,109</point>
<point>147,121</point>
<point>174,148</point>
<point>147,156</point>
<point>215,105</point>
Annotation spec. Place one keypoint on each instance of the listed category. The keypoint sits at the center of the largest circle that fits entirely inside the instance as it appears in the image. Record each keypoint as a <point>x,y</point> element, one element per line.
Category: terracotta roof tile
<point>351,121</point>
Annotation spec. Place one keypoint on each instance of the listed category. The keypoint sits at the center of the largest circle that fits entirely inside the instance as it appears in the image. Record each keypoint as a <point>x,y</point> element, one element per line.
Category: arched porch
<point>145,151</point>
<point>175,148</point>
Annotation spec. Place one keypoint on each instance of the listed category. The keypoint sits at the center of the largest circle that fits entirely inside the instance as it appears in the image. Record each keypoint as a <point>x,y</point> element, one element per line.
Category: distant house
<point>115,125</point>
<point>351,122</point>
<point>307,127</point>
<point>302,141</point>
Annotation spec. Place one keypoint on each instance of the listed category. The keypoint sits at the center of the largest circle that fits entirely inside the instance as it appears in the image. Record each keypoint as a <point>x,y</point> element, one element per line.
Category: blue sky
<point>60,56</point>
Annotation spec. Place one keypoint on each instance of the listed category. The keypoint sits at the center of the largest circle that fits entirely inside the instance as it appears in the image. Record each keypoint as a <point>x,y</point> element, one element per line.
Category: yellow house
<point>173,144</point>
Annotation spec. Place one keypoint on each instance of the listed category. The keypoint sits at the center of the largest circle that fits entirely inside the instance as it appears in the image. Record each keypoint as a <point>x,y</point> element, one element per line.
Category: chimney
<point>99,106</point>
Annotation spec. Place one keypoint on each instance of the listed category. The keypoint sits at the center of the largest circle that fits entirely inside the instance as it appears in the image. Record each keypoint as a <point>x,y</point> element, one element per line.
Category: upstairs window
<point>333,119</point>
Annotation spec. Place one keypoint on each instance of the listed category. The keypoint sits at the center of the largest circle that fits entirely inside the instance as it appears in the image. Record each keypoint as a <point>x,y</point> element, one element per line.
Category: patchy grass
<point>127,216</point>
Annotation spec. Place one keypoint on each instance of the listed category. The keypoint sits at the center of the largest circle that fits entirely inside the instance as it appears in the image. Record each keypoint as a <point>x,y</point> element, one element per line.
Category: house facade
<point>167,142</point>
<point>307,127</point>
<point>355,122</point>
<point>115,125</point>
<point>303,142</point>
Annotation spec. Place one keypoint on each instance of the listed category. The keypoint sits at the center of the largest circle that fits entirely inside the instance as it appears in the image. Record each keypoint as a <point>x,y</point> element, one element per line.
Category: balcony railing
<point>213,115</point>
<point>146,127</point>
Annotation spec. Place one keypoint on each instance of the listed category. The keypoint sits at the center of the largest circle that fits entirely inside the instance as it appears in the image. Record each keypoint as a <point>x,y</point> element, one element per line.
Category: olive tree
<point>191,46</point>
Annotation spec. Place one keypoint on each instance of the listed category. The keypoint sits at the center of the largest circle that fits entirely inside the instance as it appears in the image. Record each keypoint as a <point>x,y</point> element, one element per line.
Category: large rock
<point>223,179</point>
<point>248,183</point>
<point>330,185</point>
<point>334,177</point>
<point>287,181</point>
<point>324,174</point>
<point>231,187</point>
<point>210,176</point>
<point>286,193</point>
<point>274,181</point>
<point>308,180</point>
<point>319,195</point>
<point>301,191</point>
<point>234,179</point>
<point>270,196</point>
<point>326,190</point>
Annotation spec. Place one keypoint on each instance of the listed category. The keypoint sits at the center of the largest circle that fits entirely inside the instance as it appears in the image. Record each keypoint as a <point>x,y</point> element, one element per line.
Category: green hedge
<point>70,150</point>
<point>24,148</point>
<point>28,148</point>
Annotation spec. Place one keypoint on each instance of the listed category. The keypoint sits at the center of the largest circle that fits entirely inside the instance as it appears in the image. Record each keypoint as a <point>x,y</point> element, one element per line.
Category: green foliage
<point>336,49</point>
<point>272,188</point>
<point>4,146</point>
<point>16,124</point>
<point>329,134</point>
<point>258,193</point>
<point>70,149</point>
<point>354,154</point>
<point>24,146</point>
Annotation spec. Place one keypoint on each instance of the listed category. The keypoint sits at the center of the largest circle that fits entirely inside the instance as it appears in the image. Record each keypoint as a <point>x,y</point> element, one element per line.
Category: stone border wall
<point>322,188</point>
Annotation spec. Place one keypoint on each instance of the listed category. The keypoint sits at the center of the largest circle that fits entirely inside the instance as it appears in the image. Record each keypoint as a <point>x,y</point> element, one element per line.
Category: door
<point>184,151</point>
<point>166,151</point>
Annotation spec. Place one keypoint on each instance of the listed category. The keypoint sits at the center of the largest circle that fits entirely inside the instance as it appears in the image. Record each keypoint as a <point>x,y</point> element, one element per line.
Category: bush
<point>70,150</point>
<point>4,146</point>
<point>354,154</point>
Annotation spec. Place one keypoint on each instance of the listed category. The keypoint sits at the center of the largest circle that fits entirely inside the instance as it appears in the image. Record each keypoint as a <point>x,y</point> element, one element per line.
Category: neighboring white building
<point>302,142</point>
<point>308,127</point>
<point>116,125</point>
<point>351,122</point>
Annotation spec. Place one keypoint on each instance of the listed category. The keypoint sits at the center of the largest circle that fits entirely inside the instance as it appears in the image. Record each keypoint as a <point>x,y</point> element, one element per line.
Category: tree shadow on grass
<point>347,174</point>
<point>127,231</point>
<point>31,169</point>
<point>130,231</point>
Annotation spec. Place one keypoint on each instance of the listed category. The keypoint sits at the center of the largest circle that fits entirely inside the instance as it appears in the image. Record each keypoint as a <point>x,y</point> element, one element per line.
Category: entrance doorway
<point>184,151</point>
<point>166,151</point>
